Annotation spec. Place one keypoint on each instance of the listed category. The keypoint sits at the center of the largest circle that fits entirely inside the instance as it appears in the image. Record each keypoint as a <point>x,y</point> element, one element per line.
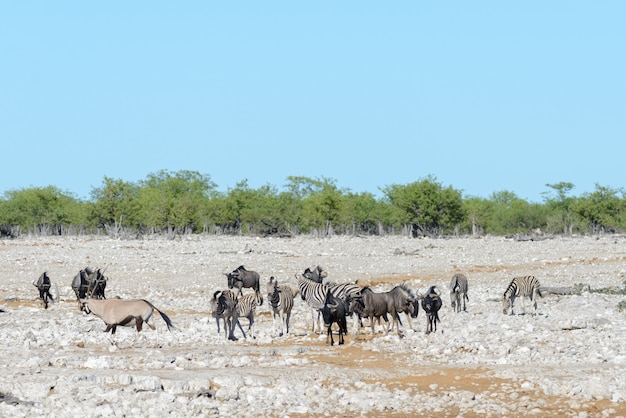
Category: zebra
<point>315,295</point>
<point>246,307</point>
<point>523,286</point>
<point>281,301</point>
<point>458,292</point>
<point>226,308</point>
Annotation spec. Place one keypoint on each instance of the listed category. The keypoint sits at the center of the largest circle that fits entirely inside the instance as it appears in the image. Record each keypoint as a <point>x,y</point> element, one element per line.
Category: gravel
<point>569,360</point>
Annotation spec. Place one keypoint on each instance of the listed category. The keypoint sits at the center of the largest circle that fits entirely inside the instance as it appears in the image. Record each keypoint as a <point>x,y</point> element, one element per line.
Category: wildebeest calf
<point>431,305</point>
<point>43,284</point>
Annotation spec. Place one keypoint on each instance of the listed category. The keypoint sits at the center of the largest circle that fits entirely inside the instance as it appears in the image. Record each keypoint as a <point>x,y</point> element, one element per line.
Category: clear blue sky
<point>484,96</point>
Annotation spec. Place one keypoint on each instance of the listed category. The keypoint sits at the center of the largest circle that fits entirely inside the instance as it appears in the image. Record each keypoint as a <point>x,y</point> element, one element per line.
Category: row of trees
<point>187,202</point>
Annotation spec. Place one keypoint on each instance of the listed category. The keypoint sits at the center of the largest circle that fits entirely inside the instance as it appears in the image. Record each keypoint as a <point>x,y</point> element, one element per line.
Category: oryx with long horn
<point>124,312</point>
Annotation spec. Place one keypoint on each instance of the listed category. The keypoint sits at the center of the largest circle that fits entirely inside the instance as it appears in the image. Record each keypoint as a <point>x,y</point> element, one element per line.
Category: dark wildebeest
<point>44,284</point>
<point>97,284</point>
<point>412,310</point>
<point>334,311</point>
<point>378,305</point>
<point>431,305</point>
<point>240,278</point>
<point>89,283</point>
<point>317,274</point>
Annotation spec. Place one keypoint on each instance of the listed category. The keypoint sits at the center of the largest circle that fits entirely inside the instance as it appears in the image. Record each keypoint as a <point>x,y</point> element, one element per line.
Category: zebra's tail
<point>539,292</point>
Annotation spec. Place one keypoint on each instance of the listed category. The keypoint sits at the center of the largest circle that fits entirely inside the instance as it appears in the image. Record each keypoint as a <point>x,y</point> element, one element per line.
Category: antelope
<point>241,277</point>
<point>124,312</point>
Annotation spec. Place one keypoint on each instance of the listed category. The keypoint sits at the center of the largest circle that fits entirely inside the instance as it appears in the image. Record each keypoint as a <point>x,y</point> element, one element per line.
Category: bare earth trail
<point>567,361</point>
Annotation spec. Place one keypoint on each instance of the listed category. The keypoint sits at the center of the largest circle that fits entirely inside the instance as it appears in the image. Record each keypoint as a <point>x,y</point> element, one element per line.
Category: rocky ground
<point>569,360</point>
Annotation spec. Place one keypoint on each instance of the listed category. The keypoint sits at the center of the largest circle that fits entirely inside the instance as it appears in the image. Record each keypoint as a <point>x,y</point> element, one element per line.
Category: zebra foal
<point>522,287</point>
<point>458,292</point>
<point>246,307</point>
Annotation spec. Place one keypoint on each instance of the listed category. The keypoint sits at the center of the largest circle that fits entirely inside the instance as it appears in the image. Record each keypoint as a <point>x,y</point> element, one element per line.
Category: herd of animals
<point>331,302</point>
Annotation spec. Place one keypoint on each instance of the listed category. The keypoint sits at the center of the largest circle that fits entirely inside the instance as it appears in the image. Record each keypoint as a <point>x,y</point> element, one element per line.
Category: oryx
<point>124,312</point>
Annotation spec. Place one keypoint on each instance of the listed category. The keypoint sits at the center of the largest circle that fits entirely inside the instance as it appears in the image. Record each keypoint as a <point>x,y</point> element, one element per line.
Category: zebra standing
<point>524,286</point>
<point>281,301</point>
<point>458,292</point>
<point>226,308</point>
<point>246,307</point>
<point>315,295</point>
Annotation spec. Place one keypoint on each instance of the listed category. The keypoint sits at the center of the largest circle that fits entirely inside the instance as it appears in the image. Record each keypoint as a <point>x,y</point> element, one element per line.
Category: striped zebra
<point>524,286</point>
<point>315,295</point>
<point>458,292</point>
<point>281,301</point>
<point>224,306</point>
<point>246,307</point>
<point>215,312</point>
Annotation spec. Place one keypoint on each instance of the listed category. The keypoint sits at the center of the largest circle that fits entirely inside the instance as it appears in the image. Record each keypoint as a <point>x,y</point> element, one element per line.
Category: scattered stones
<point>567,360</point>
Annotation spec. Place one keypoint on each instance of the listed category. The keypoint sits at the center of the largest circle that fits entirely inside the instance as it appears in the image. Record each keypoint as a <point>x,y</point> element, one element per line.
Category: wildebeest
<point>412,310</point>
<point>376,305</point>
<point>458,292</point>
<point>124,312</point>
<point>334,311</point>
<point>431,305</point>
<point>240,278</point>
<point>89,283</point>
<point>317,274</point>
<point>43,284</point>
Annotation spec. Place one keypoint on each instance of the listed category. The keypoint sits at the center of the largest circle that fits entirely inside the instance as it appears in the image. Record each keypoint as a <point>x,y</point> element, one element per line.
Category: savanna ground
<point>567,361</point>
